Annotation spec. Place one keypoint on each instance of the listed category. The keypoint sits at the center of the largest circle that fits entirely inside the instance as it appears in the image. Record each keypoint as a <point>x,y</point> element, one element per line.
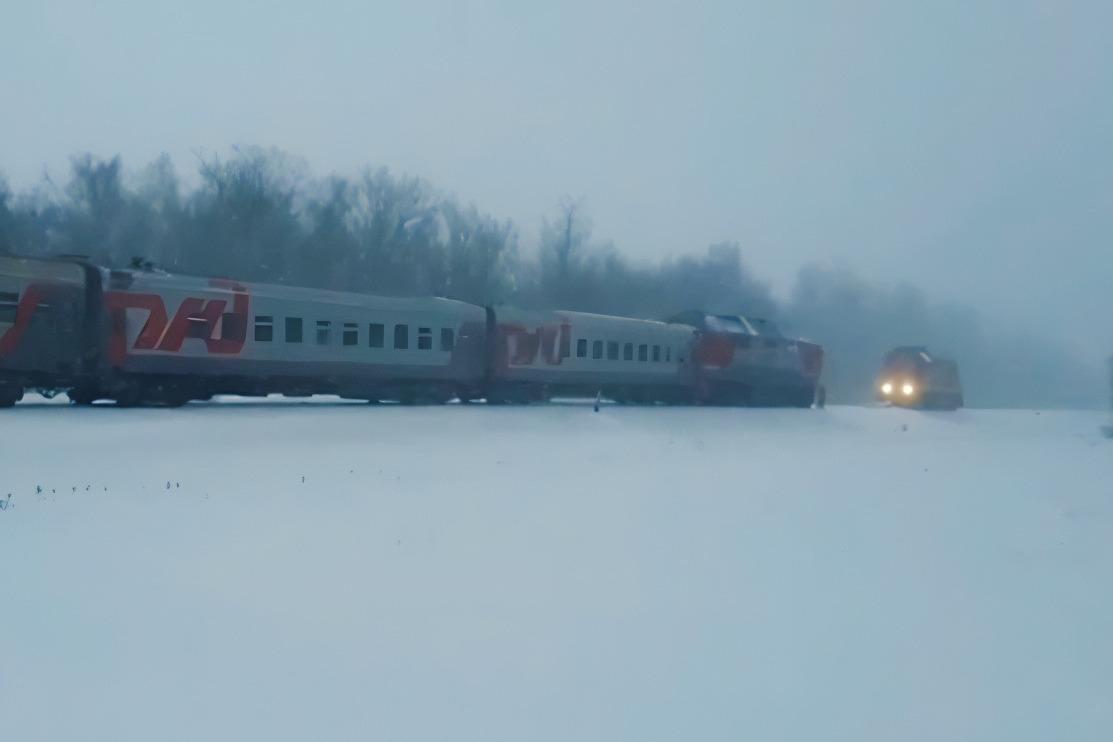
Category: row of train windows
<point>645,352</point>
<point>349,334</point>
<point>9,306</point>
<point>232,329</point>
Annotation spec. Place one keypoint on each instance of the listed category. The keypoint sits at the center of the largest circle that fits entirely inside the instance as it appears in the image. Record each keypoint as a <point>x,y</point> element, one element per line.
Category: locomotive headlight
<point>887,388</point>
<point>907,389</point>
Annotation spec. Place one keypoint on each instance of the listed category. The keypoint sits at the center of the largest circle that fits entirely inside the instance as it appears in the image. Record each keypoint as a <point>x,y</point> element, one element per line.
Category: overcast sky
<point>963,146</point>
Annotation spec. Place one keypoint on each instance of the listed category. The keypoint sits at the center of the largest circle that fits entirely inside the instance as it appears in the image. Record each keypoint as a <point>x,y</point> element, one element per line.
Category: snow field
<point>553,573</point>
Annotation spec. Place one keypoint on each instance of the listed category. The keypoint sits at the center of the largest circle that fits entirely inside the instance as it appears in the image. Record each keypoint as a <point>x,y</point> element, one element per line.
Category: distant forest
<point>259,216</point>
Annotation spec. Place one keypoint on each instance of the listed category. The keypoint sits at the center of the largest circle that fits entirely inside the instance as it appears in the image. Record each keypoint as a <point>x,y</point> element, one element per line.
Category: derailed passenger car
<point>912,377</point>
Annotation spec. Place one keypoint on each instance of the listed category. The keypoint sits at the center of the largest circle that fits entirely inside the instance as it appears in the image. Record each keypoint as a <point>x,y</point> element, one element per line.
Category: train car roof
<point>731,324</point>
<point>589,316</point>
<point>282,291</point>
<point>41,268</point>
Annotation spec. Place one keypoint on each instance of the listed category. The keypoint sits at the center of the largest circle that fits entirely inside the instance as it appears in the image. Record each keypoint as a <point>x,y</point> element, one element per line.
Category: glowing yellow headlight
<point>907,389</point>
<point>887,388</point>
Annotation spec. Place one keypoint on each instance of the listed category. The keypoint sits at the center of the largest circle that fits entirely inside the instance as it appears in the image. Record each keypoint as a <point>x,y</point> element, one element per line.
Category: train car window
<point>565,345</point>
<point>264,328</point>
<point>324,331</point>
<point>448,338</point>
<point>401,337</point>
<point>351,333</point>
<point>581,348</point>
<point>198,327</point>
<point>656,353</point>
<point>9,306</point>
<point>293,329</point>
<point>375,335</point>
<point>424,338</point>
<point>232,327</point>
<point>643,352</point>
<point>597,349</point>
<point>628,352</point>
<point>612,350</point>
<point>668,353</point>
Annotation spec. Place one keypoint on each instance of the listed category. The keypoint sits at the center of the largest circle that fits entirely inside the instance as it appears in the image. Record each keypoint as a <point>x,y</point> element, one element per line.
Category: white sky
<point>962,146</point>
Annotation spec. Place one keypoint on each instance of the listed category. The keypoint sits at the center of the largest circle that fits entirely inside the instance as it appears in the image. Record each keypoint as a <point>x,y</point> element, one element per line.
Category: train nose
<point>896,390</point>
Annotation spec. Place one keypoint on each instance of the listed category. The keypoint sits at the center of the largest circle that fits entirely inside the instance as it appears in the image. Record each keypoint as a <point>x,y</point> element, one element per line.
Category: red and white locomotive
<point>142,336</point>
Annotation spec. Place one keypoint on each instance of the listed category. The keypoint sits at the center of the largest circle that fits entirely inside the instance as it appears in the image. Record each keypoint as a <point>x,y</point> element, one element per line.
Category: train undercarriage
<point>168,390</point>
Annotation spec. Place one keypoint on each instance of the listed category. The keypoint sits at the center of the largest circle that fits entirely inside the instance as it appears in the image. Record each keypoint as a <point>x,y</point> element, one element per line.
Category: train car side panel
<point>239,338</point>
<point>42,324</point>
<point>576,353</point>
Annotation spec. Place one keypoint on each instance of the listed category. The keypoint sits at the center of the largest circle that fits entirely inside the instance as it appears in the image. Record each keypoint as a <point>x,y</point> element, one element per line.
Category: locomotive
<point>142,336</point>
<point>912,377</point>
<point>748,361</point>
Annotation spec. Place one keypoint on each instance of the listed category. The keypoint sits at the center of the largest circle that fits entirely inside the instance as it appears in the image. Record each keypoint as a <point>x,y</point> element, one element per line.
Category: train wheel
<point>803,397</point>
<point>173,398</point>
<point>130,397</point>
<point>9,395</point>
<point>82,397</point>
<point>510,395</point>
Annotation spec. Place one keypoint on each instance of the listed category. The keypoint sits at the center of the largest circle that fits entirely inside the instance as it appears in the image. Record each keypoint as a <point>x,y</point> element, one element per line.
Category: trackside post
<point>1107,430</point>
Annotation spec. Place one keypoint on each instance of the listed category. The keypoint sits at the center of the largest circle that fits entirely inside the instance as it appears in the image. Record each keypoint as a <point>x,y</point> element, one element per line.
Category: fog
<point>260,215</point>
<point>868,176</point>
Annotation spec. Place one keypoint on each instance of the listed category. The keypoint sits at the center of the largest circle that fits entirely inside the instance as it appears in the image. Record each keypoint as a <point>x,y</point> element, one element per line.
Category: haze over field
<point>549,573</point>
<point>962,150</point>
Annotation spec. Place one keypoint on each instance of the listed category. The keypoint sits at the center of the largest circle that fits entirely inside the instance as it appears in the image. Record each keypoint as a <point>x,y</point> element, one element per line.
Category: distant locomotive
<point>144,336</point>
<point>911,377</point>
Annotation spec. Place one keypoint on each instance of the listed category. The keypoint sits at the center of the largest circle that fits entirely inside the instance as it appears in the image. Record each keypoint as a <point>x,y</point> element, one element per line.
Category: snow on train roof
<point>298,293</point>
<point>27,268</point>
<point>516,312</point>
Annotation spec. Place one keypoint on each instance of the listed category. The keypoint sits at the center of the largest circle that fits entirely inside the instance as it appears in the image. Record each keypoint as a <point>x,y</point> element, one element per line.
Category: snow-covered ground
<point>333,571</point>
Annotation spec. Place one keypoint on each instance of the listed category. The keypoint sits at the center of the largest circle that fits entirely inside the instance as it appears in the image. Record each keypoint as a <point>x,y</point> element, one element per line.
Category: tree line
<point>258,215</point>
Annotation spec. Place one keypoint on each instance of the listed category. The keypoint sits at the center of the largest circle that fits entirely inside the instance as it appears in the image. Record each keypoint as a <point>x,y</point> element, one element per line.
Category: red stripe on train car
<point>28,303</point>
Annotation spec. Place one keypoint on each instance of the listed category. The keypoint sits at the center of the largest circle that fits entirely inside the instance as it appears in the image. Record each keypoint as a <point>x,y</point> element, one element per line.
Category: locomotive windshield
<point>764,327</point>
<point>728,324</point>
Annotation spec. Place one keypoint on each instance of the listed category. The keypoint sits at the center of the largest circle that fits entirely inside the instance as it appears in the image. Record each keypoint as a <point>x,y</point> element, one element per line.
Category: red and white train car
<point>545,353</point>
<point>143,336</point>
<point>175,338</point>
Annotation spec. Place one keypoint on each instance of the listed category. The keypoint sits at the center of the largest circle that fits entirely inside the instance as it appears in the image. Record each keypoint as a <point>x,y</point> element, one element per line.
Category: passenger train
<point>145,337</point>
